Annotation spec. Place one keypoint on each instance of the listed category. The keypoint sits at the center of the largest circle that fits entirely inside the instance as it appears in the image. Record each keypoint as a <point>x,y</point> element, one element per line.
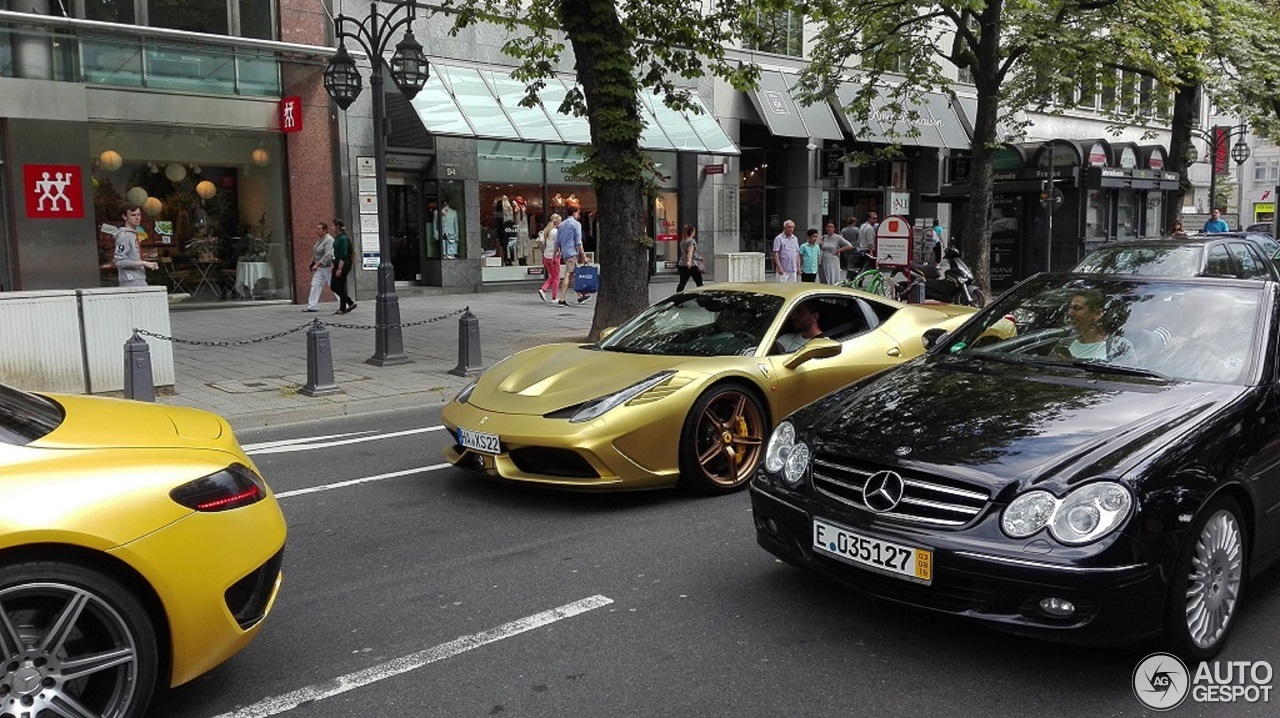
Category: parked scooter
<point>954,285</point>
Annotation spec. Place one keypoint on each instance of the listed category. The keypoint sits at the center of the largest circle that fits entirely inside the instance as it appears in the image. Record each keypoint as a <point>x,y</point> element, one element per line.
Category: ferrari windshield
<point>711,323</point>
<point>1185,330</point>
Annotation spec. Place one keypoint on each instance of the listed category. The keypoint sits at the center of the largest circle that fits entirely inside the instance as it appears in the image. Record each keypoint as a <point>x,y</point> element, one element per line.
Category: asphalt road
<point>424,591</point>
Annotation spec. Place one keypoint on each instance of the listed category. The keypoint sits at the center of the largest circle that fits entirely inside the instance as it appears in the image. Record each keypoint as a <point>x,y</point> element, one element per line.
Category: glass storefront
<point>523,184</point>
<point>214,208</point>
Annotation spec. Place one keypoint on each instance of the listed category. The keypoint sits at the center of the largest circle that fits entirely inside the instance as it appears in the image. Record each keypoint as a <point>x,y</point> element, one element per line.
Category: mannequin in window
<point>447,226</point>
<point>508,209</point>
<point>557,202</point>
<point>524,245</point>
<point>573,201</point>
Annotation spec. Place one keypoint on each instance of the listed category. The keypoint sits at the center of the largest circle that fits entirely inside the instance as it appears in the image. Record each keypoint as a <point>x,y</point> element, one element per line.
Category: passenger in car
<point>1092,340</point>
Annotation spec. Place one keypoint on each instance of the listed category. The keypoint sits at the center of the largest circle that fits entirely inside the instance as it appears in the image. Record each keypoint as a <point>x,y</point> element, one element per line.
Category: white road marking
<point>298,445</point>
<point>365,480</point>
<point>413,661</point>
<point>302,440</point>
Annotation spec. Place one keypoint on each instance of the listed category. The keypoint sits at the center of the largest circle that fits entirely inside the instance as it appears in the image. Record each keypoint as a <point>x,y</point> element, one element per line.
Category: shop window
<point>256,19</point>
<point>779,32</point>
<point>117,11</point>
<point>213,210</point>
<point>666,228</point>
<point>1126,214</point>
<point>1266,170</point>
<point>1095,221</point>
<point>512,215</point>
<point>208,16</point>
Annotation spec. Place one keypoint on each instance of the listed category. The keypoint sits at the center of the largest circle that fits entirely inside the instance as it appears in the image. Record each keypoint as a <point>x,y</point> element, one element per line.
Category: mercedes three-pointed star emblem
<point>883,491</point>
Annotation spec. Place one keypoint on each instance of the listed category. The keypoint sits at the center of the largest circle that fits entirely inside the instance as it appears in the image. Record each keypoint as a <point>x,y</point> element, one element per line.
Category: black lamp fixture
<point>1240,152</point>
<point>342,78</point>
<point>409,71</point>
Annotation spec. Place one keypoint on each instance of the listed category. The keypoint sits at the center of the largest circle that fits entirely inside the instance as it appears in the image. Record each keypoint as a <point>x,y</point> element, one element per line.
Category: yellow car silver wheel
<point>74,642</point>
<point>723,440</point>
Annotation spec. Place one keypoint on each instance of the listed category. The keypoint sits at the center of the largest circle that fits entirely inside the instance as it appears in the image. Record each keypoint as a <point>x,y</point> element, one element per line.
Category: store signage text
<point>53,191</point>
<point>717,169</point>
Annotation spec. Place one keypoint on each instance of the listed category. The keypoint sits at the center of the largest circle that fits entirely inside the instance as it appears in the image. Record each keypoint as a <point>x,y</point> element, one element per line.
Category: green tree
<point>619,49</point>
<point>1021,55</point>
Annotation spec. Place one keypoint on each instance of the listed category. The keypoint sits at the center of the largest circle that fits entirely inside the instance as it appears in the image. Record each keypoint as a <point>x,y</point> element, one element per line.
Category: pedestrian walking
<point>546,243</point>
<point>810,257</point>
<point>866,242</point>
<point>572,251</point>
<point>833,245</point>
<point>786,253</point>
<point>689,265</point>
<point>130,266</point>
<point>341,267</point>
<point>321,266</point>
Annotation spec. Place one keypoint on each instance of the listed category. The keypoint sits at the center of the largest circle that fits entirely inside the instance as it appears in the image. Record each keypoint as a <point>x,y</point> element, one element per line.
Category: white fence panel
<point>109,315</point>
<point>40,341</point>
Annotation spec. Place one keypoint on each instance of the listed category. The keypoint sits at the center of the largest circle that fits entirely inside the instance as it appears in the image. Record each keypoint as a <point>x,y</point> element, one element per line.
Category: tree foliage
<point>619,49</point>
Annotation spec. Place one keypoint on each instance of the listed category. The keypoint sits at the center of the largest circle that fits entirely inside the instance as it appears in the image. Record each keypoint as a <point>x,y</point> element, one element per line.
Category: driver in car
<point>1092,340</point>
<point>804,325</point>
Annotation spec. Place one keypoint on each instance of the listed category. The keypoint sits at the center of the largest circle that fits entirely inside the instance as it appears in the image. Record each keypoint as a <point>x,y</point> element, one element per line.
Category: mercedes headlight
<point>596,407</point>
<point>1084,515</point>
<point>785,456</point>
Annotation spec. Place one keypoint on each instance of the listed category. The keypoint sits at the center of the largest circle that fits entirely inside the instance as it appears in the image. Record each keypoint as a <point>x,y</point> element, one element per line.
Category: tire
<point>105,618</point>
<point>722,442</point>
<point>1207,582</point>
<point>977,298</point>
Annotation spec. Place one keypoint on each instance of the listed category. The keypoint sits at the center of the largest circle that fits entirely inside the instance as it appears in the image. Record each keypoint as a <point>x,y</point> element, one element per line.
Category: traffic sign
<point>1058,198</point>
<point>893,241</point>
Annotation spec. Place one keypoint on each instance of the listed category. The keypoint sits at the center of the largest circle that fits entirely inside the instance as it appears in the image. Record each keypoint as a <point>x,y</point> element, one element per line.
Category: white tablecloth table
<point>248,274</point>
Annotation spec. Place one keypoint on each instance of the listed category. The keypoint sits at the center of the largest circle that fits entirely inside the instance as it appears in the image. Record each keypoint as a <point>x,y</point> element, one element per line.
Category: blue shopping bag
<point>586,279</point>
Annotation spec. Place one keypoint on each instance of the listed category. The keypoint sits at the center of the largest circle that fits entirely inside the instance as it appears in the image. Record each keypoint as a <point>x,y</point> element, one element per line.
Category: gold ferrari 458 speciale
<point>138,544</point>
<point>685,392</point>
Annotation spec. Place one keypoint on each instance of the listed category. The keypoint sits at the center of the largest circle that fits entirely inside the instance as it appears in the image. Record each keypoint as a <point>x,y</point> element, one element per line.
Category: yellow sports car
<point>686,391</point>
<point>137,544</point>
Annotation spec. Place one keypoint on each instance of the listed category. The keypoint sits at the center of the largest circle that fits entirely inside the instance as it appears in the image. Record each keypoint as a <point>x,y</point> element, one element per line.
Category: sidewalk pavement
<point>256,384</point>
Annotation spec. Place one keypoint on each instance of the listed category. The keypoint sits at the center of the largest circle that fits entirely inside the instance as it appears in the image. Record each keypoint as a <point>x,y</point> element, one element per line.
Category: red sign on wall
<point>53,191</point>
<point>290,112</point>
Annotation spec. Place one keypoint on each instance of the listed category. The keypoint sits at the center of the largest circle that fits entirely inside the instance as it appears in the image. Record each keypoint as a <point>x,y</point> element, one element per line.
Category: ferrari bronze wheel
<point>723,440</point>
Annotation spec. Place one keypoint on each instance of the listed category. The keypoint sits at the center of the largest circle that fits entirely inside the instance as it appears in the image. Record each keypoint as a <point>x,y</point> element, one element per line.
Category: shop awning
<point>937,121</point>
<point>471,101</point>
<point>786,116</point>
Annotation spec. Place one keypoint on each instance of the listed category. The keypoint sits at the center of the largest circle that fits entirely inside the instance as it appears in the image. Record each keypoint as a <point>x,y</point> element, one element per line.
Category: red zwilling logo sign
<point>53,191</point>
<point>291,114</point>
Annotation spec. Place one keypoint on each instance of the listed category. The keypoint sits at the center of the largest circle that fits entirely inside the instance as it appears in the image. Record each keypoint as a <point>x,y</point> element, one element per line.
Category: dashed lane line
<point>313,443</point>
<point>351,681</point>
<point>363,480</point>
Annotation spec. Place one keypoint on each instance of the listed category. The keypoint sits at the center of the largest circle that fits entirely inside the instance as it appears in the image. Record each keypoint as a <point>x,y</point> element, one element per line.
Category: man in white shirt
<point>786,253</point>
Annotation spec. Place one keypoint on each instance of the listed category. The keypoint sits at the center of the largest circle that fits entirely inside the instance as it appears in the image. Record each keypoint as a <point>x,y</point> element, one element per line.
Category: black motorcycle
<point>954,285</point>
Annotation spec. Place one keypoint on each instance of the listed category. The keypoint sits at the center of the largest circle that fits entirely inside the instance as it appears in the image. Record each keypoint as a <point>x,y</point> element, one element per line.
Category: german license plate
<point>479,441</point>
<point>913,564</point>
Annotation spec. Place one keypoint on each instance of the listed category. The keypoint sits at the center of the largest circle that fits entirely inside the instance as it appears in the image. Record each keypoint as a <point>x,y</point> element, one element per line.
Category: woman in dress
<point>832,246</point>
<point>689,265</point>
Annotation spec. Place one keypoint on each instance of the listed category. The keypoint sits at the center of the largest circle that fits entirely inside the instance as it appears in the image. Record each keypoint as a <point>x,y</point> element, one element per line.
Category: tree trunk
<point>606,72</point>
<point>976,234</point>
<point>1184,103</point>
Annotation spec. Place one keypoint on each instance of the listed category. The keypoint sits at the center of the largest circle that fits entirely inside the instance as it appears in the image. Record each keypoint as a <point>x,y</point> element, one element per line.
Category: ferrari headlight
<point>465,394</point>
<point>596,407</point>
<point>1083,516</point>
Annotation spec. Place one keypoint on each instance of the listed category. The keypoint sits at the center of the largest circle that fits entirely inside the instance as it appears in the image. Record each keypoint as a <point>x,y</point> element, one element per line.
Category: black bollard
<point>319,363</point>
<point>138,383</point>
<point>468,345</point>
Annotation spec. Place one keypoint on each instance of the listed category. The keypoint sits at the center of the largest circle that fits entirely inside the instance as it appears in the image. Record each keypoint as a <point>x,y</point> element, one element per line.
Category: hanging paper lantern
<point>175,172</point>
<point>110,160</point>
<point>205,189</point>
<point>260,157</point>
<point>136,196</point>
<point>152,206</point>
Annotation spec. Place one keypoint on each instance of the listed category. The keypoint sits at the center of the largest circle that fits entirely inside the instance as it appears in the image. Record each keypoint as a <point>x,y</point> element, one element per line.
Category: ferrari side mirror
<point>816,348</point>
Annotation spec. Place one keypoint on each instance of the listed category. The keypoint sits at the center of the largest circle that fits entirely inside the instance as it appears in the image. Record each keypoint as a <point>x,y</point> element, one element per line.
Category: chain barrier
<point>287,332</point>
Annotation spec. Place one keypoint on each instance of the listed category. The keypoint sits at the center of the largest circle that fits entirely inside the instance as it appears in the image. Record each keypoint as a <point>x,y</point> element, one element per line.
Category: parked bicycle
<point>873,280</point>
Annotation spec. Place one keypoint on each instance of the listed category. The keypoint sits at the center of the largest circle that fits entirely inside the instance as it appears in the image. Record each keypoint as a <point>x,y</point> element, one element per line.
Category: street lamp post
<point>409,70</point>
<point>1217,139</point>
